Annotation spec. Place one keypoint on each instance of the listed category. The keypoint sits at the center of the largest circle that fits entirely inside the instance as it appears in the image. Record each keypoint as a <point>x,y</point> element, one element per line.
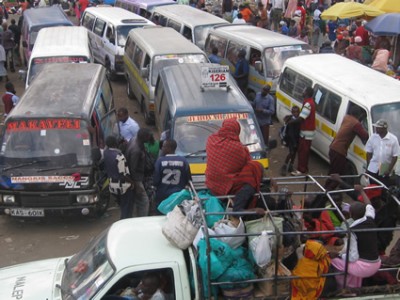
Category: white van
<point>147,51</point>
<point>266,51</point>
<point>191,22</point>
<point>339,84</point>
<point>63,44</point>
<point>108,29</point>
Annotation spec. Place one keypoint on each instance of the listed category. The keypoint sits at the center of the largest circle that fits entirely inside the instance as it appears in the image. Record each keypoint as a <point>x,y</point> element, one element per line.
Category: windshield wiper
<point>204,150</point>
<point>24,164</point>
<point>55,168</point>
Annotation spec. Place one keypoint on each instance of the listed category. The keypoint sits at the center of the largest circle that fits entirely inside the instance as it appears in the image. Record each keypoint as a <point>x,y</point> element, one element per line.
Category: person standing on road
<point>278,10</point>
<point>264,107</point>
<point>3,70</point>
<point>17,36</point>
<point>136,161</point>
<point>242,71</point>
<point>127,126</point>
<point>349,129</point>
<point>307,131</point>
<point>117,170</point>
<point>9,45</point>
<point>172,172</point>
<point>382,151</point>
<point>9,98</point>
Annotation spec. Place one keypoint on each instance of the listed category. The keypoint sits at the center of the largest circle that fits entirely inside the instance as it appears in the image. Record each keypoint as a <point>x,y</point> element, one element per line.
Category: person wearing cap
<point>354,51</point>
<point>382,151</point>
<point>242,71</point>
<point>264,107</point>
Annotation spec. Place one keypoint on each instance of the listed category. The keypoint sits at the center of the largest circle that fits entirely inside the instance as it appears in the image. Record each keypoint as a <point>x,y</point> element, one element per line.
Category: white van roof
<point>117,15</point>
<point>61,41</point>
<point>348,77</point>
<point>157,40</point>
<point>189,15</point>
<point>254,36</point>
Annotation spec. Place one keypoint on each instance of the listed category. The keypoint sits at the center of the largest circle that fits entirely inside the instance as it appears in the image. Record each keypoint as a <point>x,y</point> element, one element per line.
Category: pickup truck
<point>117,260</point>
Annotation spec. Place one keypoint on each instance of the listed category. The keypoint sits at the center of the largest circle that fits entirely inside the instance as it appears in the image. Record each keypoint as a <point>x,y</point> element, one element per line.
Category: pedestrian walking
<point>117,170</point>
<point>9,98</point>
<point>136,157</point>
<point>290,134</point>
<point>307,131</point>
<point>264,107</point>
<point>9,45</point>
<point>242,71</point>
<point>382,151</point>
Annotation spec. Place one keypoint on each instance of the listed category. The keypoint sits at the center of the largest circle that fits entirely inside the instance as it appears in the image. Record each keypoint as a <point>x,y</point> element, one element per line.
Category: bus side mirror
<point>258,66</point>
<point>144,72</point>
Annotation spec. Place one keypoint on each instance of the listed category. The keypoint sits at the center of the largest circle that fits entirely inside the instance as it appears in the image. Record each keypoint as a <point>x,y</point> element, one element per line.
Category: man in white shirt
<point>382,152</point>
<point>239,19</point>
<point>127,126</point>
<point>278,9</point>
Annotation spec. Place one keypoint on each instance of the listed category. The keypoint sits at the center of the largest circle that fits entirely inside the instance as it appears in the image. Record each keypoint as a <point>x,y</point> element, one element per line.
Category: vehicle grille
<point>43,201</point>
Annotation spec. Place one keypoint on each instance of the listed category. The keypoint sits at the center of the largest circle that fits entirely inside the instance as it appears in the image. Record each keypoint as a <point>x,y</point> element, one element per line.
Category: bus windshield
<point>192,132</point>
<point>275,57</point>
<point>161,61</point>
<point>64,142</point>
<point>38,63</point>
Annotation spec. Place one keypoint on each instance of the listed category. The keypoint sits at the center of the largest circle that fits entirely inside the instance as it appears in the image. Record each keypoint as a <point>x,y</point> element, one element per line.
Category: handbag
<point>178,230</point>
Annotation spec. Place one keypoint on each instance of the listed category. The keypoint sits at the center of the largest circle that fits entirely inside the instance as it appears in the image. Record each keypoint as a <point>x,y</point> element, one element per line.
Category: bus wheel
<point>129,89</point>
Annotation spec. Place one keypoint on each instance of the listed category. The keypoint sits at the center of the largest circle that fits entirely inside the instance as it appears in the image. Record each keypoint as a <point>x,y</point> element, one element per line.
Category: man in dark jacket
<point>136,161</point>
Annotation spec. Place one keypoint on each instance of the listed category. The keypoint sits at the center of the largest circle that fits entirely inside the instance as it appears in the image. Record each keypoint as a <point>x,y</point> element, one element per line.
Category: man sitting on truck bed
<point>230,168</point>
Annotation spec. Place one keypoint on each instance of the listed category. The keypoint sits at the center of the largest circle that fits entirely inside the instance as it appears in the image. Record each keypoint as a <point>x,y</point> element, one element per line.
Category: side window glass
<point>294,84</point>
<point>361,114</point>
<point>233,50</point>
<point>162,285</point>
<point>327,103</point>
<point>137,58</point>
<point>130,49</point>
<point>107,95</point>
<point>187,33</point>
<point>255,55</point>
<point>110,34</point>
<point>99,27</point>
<point>219,43</point>
<point>163,20</point>
<point>88,21</point>
<point>146,61</point>
<point>175,25</point>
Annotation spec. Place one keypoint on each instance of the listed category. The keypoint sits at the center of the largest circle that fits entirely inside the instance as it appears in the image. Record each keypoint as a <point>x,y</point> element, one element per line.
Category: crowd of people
<point>302,20</point>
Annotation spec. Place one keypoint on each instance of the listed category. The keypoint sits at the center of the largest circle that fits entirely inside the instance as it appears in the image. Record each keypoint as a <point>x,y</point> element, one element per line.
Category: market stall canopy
<point>387,24</point>
<point>389,6</point>
<point>345,10</point>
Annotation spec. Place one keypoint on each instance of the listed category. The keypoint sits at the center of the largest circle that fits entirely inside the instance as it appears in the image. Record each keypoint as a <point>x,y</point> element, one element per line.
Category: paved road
<point>28,240</point>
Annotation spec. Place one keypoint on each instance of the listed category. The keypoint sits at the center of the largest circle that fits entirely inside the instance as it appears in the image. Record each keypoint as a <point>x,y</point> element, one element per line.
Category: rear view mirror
<point>144,72</point>
<point>258,65</point>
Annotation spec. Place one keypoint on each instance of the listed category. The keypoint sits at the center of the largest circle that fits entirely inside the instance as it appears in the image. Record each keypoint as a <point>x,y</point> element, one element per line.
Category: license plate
<point>198,178</point>
<point>27,212</point>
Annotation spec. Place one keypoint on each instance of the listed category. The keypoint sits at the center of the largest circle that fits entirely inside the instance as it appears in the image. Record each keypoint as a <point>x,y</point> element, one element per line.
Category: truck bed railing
<point>299,188</point>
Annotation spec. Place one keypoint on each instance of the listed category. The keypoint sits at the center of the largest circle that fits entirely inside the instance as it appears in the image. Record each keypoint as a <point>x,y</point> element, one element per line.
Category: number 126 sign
<point>214,76</point>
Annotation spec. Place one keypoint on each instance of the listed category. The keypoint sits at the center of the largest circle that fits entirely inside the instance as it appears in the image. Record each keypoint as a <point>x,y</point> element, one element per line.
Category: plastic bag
<point>212,204</point>
<point>173,200</point>
<point>265,223</point>
<point>178,229</point>
<point>227,227</point>
<point>261,249</point>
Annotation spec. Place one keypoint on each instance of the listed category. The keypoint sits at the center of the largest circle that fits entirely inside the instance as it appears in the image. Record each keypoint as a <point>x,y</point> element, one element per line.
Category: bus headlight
<point>85,199</point>
<point>8,199</point>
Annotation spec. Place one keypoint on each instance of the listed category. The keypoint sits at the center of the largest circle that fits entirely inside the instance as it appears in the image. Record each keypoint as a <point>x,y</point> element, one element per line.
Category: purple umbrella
<point>386,24</point>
